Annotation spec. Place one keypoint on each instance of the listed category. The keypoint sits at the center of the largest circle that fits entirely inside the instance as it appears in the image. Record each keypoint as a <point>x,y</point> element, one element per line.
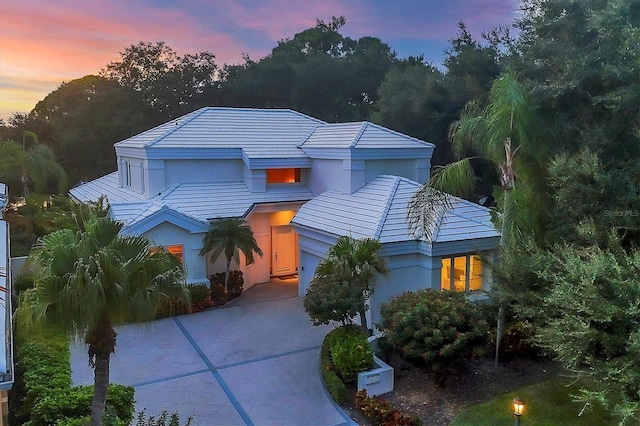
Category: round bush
<point>442,329</point>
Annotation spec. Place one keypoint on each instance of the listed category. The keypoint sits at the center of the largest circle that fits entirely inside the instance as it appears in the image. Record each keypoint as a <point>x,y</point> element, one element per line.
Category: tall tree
<point>86,282</point>
<point>83,118</point>
<point>355,262</point>
<point>230,236</point>
<point>503,134</point>
<point>171,84</point>
<point>34,166</point>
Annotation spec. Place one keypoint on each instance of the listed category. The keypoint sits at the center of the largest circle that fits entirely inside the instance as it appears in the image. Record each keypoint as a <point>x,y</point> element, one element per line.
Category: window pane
<point>176,250</point>
<point>446,274</point>
<point>459,273</point>
<point>475,273</point>
<point>283,175</point>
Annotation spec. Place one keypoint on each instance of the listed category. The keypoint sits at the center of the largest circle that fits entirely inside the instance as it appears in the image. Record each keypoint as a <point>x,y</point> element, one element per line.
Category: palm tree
<point>230,236</point>
<point>356,261</point>
<point>504,134</point>
<point>34,165</point>
<point>86,282</point>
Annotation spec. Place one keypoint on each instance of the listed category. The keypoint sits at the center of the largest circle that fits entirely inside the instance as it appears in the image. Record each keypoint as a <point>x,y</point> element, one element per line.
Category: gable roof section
<point>256,133</point>
<point>379,209</point>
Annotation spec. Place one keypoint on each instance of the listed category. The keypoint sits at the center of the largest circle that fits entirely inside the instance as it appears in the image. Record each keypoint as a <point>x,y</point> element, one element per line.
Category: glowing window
<point>175,250</point>
<point>283,175</point>
<point>461,273</point>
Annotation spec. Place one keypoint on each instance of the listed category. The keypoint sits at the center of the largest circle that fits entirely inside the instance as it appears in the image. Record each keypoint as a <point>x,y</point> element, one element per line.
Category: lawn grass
<point>546,404</point>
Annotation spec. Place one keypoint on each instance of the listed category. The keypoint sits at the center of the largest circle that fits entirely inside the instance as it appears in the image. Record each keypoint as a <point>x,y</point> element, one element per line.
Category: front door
<point>284,250</point>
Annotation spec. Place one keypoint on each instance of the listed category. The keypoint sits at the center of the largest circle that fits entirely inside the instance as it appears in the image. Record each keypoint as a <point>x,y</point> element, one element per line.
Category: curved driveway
<point>253,362</point>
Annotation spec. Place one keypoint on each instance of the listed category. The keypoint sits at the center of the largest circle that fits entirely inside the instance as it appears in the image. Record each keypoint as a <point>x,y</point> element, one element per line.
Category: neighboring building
<point>300,183</point>
<point>6,345</point>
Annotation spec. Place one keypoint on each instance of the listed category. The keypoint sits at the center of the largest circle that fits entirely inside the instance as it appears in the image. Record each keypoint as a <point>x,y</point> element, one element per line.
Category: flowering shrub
<point>382,413</point>
<point>441,328</point>
<point>200,297</point>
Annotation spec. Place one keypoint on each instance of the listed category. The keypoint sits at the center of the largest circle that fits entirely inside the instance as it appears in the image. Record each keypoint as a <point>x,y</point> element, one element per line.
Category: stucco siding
<point>328,174</point>
<point>167,234</point>
<point>196,171</point>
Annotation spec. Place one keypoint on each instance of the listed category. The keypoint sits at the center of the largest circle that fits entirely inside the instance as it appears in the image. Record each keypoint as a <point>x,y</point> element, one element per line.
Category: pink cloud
<point>63,40</point>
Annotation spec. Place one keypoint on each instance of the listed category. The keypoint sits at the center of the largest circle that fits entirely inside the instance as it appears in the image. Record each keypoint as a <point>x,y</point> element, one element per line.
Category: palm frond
<point>429,204</point>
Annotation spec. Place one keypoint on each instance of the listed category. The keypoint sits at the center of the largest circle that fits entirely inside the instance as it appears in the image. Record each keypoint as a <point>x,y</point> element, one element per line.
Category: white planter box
<point>377,381</point>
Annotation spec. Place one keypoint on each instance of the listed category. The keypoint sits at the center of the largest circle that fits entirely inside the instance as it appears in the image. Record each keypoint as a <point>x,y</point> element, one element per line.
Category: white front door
<point>284,250</point>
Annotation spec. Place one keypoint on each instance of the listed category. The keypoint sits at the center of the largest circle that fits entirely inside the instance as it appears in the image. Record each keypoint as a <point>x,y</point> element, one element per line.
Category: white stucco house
<point>300,183</point>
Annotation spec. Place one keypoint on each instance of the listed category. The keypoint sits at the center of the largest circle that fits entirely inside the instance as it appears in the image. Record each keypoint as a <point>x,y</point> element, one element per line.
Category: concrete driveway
<point>253,362</point>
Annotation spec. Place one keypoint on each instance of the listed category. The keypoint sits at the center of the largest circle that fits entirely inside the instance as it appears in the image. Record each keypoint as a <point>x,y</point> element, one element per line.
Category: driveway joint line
<point>268,357</point>
<point>225,388</point>
<point>165,379</point>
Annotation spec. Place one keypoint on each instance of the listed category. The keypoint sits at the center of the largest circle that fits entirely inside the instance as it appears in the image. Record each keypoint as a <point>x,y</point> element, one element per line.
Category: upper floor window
<point>128,176</point>
<point>461,273</point>
<point>283,175</point>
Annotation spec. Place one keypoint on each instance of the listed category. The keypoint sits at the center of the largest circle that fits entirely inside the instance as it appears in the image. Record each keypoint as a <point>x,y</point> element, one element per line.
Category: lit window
<point>283,175</point>
<point>175,250</point>
<point>461,273</point>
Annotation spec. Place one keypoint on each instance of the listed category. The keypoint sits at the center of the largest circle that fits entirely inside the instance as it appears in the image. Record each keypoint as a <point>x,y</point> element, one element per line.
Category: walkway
<point>254,362</point>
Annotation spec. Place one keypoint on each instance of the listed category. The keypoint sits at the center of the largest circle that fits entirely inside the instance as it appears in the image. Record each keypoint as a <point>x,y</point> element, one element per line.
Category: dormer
<point>345,156</point>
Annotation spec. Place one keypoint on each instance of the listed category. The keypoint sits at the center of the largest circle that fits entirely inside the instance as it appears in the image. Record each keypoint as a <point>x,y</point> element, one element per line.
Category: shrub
<point>382,413</point>
<point>351,355</point>
<point>235,284</point>
<point>218,294</point>
<point>75,402</point>
<point>335,385</point>
<point>441,328</point>
<point>200,297</point>
<point>22,282</point>
<point>43,395</point>
<point>163,419</point>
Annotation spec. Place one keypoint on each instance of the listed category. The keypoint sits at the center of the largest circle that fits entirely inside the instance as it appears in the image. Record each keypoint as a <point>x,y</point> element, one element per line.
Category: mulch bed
<point>415,391</point>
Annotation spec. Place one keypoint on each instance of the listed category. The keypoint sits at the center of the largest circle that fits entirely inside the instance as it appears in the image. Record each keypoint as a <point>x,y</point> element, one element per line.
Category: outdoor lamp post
<point>518,409</point>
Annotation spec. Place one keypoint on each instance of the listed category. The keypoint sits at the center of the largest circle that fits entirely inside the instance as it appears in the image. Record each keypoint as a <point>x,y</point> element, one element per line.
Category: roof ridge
<point>404,135</point>
<point>307,136</point>
<point>387,205</point>
<point>196,113</point>
<point>356,139</point>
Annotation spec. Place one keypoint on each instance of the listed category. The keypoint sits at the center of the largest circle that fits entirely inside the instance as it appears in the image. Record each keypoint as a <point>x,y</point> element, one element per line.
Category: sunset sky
<point>44,42</point>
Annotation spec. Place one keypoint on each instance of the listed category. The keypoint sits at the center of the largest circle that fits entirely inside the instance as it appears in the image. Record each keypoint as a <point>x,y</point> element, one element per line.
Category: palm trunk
<point>101,339</point>
<point>501,313</point>
<point>363,322</point>
<point>25,184</point>
<point>226,276</point>
<point>101,385</point>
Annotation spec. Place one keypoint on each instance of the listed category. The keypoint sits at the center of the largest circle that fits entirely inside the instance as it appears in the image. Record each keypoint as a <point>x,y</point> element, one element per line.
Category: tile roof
<point>359,135</point>
<point>199,201</point>
<point>259,133</point>
<point>379,211</point>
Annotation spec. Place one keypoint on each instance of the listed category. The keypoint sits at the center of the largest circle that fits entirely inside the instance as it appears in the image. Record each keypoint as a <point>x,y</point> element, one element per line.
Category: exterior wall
<point>408,272</point>
<point>328,174</point>
<point>168,234</point>
<point>193,171</point>
<point>131,172</point>
<point>414,169</point>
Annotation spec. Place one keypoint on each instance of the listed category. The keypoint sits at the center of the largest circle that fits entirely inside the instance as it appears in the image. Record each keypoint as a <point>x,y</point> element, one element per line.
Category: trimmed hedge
<point>352,354</point>
<point>335,385</point>
<point>43,395</point>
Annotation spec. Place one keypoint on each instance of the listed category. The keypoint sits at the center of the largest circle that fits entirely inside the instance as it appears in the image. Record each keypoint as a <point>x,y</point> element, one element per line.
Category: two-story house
<point>300,183</point>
